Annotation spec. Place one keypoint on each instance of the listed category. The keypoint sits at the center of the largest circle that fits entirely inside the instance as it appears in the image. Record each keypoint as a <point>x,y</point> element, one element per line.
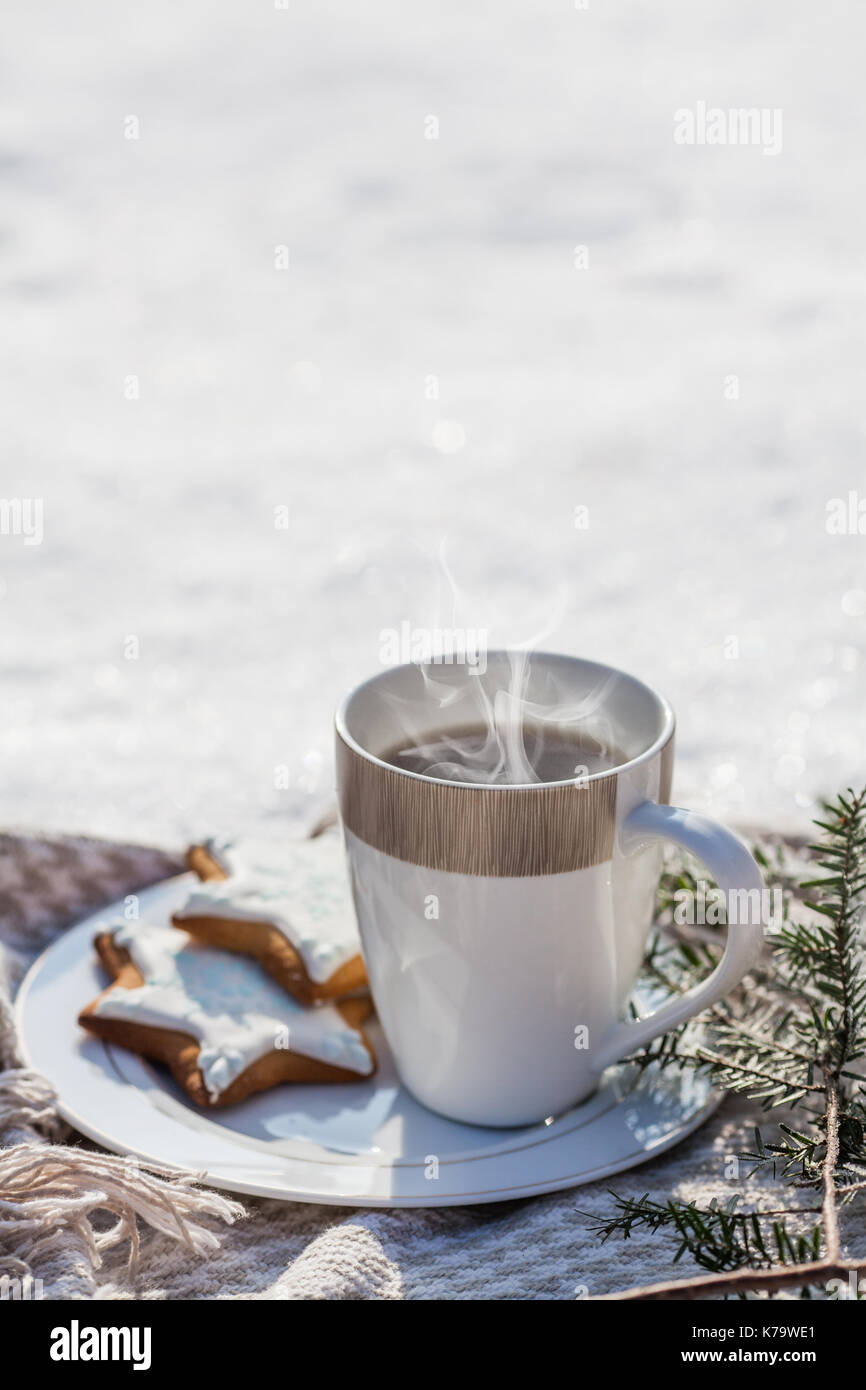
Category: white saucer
<point>368,1144</point>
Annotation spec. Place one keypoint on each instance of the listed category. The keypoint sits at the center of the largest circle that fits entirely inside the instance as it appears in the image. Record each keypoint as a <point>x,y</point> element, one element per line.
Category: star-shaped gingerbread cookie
<point>223,1027</point>
<point>291,909</point>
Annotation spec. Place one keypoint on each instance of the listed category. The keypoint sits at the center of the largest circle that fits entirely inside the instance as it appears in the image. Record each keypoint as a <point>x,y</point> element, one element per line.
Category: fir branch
<point>717,1236</point>
<point>798,1048</point>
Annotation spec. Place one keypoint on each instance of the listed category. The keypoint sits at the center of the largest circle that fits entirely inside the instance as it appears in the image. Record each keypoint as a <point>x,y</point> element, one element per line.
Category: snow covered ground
<point>437,365</point>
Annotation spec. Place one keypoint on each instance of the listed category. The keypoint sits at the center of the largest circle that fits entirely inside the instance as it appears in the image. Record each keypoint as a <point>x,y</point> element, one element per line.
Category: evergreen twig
<point>797,1045</point>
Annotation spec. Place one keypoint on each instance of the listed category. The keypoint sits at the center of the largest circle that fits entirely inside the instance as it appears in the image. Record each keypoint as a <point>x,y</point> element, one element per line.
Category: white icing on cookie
<point>227,1003</point>
<point>302,889</point>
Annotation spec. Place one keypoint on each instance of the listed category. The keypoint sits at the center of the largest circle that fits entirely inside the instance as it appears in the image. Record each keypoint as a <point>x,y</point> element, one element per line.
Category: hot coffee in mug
<point>503,831</point>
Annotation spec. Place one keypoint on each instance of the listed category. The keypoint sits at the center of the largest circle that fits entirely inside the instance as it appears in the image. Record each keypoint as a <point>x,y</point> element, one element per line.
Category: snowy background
<point>419,266</point>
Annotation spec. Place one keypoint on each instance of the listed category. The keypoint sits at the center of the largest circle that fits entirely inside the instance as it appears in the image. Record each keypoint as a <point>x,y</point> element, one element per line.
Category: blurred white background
<point>310,388</point>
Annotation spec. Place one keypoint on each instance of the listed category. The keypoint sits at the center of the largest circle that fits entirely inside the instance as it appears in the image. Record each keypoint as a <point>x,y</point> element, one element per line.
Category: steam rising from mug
<point>504,735</point>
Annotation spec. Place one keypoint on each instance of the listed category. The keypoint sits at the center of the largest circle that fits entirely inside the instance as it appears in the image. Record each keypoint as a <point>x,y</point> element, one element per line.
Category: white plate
<point>366,1144</point>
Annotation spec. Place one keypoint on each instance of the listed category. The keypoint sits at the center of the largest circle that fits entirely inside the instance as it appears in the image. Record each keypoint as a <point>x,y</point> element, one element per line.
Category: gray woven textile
<point>534,1249</point>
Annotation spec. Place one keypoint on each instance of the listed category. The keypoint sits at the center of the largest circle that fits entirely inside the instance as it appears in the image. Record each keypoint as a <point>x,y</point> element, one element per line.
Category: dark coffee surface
<point>530,753</point>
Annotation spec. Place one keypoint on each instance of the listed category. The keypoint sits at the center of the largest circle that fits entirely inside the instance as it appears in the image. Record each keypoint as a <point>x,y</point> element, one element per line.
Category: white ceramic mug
<point>503,1005</point>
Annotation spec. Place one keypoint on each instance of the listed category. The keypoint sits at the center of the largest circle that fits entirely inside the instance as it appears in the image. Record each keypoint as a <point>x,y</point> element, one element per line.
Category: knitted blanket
<point>90,1225</point>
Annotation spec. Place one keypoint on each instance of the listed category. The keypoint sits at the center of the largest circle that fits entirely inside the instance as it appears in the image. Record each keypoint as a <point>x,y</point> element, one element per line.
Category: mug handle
<point>734,869</point>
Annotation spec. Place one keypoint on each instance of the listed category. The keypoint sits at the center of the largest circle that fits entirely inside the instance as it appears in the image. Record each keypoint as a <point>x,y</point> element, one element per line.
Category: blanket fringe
<point>49,1193</point>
